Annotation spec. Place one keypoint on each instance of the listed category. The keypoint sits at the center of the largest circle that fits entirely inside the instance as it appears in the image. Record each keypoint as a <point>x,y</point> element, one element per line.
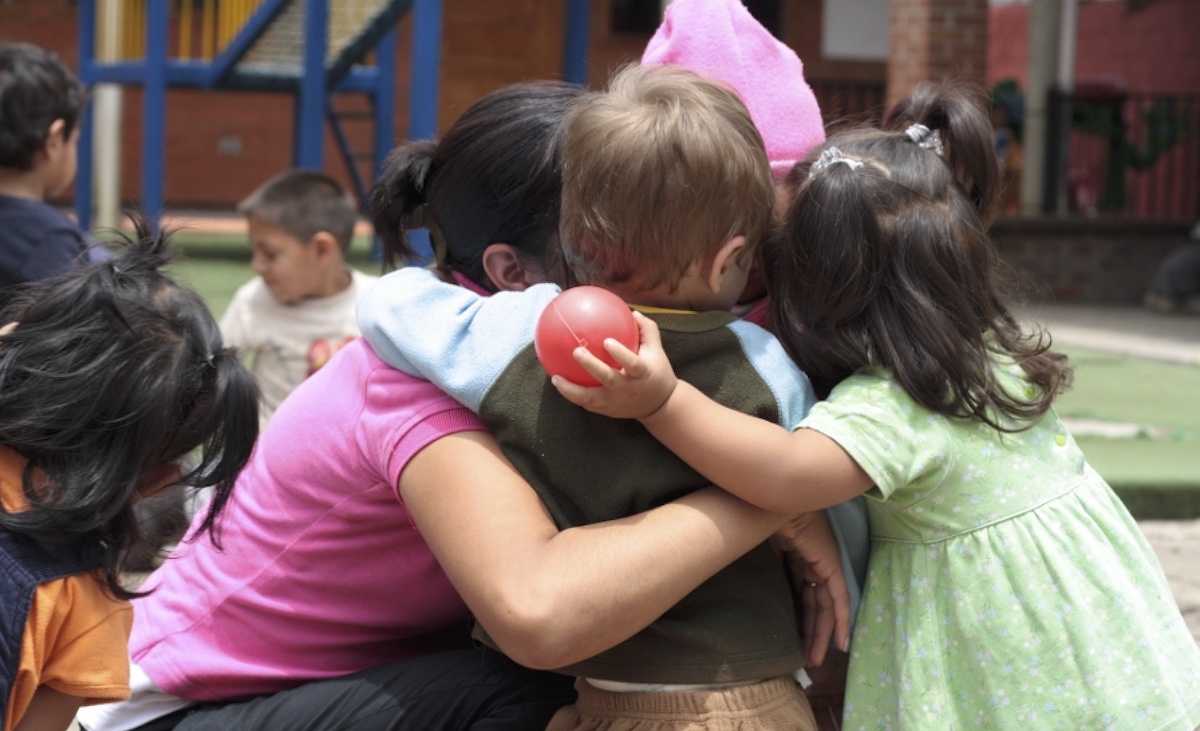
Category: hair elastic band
<point>832,156</point>
<point>925,138</point>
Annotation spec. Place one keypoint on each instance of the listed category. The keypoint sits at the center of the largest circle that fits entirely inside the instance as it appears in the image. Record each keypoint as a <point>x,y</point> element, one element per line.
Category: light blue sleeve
<point>453,337</point>
<point>795,395</point>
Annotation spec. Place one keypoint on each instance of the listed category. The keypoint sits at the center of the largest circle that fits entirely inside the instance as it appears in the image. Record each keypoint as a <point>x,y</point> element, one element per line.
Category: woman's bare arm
<point>551,598</point>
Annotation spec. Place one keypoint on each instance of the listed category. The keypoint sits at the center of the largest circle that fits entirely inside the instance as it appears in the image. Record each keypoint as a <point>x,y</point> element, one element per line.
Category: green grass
<point>1156,470</point>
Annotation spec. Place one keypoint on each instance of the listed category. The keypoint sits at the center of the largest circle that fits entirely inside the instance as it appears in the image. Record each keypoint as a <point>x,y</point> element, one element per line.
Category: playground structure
<point>314,49</point>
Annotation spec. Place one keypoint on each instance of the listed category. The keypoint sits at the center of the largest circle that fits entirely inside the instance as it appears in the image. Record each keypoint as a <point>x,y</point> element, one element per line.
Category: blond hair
<point>658,172</point>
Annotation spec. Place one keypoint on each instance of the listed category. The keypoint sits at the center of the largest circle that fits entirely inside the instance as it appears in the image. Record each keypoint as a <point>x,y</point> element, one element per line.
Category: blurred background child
<point>299,310</point>
<point>40,105</point>
<point>109,377</point>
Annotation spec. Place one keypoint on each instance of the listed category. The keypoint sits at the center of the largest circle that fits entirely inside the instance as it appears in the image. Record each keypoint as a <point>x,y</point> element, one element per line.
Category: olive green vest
<point>741,624</point>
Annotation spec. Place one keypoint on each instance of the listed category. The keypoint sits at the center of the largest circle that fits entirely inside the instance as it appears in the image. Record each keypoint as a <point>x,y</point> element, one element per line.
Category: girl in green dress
<point>1008,586</point>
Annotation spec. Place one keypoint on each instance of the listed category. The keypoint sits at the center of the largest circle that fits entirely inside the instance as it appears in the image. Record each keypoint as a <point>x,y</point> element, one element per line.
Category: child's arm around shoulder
<point>448,334</point>
<point>759,461</point>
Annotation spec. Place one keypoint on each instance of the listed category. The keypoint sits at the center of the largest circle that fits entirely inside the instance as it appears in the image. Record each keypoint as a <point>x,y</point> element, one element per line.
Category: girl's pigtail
<point>398,196</point>
<point>955,111</point>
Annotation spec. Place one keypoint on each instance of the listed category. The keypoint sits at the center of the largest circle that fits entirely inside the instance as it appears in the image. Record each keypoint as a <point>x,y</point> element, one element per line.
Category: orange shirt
<point>76,636</point>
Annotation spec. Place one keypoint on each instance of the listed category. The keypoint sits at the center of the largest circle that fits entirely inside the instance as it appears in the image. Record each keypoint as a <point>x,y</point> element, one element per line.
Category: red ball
<point>582,316</point>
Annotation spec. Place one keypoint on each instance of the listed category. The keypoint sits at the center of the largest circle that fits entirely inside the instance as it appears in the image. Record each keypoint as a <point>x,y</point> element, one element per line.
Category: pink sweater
<point>323,571</point>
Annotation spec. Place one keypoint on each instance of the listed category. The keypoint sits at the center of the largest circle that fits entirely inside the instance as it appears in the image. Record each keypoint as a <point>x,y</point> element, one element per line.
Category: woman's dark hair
<point>884,259</point>
<point>35,89</point>
<point>493,178</point>
<point>111,371</point>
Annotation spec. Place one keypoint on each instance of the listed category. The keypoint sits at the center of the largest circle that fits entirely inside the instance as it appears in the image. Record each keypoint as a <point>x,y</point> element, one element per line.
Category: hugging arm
<point>551,598</point>
<point>759,461</point>
<point>447,334</point>
<point>822,594</point>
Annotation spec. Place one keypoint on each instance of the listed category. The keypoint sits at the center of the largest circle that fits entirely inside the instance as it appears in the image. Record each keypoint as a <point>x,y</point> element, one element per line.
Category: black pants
<point>472,688</point>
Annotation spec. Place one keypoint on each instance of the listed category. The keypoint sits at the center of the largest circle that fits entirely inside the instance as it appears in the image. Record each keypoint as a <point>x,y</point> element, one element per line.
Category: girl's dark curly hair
<point>885,260</point>
<point>111,371</point>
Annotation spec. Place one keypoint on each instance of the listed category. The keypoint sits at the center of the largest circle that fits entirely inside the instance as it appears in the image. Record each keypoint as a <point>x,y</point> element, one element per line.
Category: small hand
<point>642,385</point>
<point>815,562</point>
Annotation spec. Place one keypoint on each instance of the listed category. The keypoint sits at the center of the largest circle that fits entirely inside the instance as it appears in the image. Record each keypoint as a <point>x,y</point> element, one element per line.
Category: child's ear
<point>327,247</point>
<point>725,260</point>
<point>56,137</point>
<point>505,267</point>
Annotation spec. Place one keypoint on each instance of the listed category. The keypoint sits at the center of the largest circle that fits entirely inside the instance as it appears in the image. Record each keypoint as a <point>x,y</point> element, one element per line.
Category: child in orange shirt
<point>109,377</point>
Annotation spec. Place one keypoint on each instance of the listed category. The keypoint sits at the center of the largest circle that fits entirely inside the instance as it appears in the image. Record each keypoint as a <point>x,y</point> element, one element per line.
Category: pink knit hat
<point>720,40</point>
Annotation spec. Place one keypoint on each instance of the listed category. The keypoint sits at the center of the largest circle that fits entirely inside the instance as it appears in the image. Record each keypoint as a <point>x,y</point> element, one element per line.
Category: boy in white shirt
<point>299,310</point>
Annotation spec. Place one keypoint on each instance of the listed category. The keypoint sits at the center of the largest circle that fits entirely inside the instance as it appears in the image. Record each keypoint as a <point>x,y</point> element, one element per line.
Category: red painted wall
<point>1155,50</point>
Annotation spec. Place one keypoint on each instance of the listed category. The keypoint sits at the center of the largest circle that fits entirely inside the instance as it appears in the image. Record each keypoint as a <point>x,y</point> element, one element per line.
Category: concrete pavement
<point>1177,544</point>
<point>1123,330</point>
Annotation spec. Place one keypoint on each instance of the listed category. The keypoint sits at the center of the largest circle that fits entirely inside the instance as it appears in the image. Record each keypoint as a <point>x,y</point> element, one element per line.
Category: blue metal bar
<point>194,75</point>
<point>385,118</point>
<point>84,171</point>
<point>254,27</point>
<point>366,80</point>
<point>87,40</point>
<point>343,144</point>
<point>384,100</point>
<point>154,109</point>
<point>575,47</point>
<point>426,64</point>
<point>423,93</point>
<point>310,102</point>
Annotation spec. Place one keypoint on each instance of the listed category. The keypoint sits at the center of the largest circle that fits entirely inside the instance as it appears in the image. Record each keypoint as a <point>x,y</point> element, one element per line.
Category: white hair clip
<point>832,156</point>
<point>925,139</point>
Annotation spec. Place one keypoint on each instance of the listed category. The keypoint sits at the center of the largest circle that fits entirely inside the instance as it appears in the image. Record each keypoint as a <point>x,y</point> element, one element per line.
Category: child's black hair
<point>111,371</point>
<point>35,89</point>
<point>885,260</point>
<point>493,178</point>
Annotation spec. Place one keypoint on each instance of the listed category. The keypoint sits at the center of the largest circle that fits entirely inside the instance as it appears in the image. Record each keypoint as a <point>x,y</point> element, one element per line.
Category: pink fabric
<point>721,40</point>
<point>468,284</point>
<point>323,572</point>
<point>754,312</point>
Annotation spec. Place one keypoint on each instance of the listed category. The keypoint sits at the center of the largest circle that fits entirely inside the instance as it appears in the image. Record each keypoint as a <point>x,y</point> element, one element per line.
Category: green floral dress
<point>1008,587</point>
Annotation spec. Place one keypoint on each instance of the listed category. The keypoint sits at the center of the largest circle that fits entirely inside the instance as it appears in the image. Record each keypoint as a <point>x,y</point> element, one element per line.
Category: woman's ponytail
<point>397,197</point>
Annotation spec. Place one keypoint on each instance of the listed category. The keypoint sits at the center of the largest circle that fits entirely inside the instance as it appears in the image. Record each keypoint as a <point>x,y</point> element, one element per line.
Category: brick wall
<point>933,39</point>
<point>220,145</point>
<point>1154,50</point>
<point>1071,260</point>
